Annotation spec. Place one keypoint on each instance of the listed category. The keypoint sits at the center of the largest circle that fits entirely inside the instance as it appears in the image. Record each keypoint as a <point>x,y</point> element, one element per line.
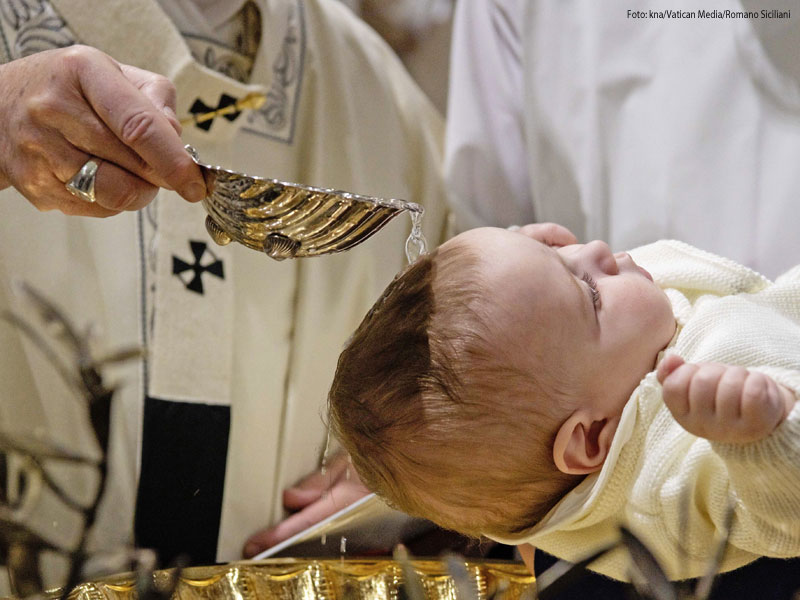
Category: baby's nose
<point>602,257</point>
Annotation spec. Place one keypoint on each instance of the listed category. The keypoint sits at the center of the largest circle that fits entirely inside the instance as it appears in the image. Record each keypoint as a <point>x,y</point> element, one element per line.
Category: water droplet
<point>416,244</point>
<point>324,539</point>
<point>343,545</point>
<point>323,467</point>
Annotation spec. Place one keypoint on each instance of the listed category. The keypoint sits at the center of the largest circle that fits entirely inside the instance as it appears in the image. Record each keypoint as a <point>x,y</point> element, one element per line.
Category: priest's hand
<point>61,108</point>
<point>313,499</point>
<point>723,403</point>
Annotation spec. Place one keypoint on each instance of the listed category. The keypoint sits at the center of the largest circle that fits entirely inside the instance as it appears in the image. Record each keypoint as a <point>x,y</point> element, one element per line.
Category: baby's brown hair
<point>438,416</point>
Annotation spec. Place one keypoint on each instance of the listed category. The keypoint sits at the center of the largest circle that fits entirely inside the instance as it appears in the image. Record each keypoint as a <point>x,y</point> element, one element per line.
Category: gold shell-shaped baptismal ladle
<point>288,220</point>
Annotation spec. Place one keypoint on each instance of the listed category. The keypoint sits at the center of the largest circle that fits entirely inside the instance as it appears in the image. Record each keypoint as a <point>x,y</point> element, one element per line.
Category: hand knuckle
<point>79,55</point>
<point>164,85</point>
<point>35,188</point>
<point>138,127</point>
<point>126,194</point>
<point>144,168</point>
<point>44,107</point>
<point>32,141</point>
<point>95,133</point>
<point>705,377</point>
<point>735,374</point>
<point>755,387</point>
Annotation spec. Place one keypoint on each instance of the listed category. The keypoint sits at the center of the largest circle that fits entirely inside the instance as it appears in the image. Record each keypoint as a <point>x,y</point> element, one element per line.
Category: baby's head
<point>489,378</point>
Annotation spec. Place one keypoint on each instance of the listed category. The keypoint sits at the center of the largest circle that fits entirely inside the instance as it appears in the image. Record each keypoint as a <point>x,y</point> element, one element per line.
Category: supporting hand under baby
<point>723,403</point>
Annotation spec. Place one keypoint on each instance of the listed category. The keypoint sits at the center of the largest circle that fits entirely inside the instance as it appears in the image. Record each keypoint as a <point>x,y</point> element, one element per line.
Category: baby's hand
<point>723,403</point>
<point>550,234</point>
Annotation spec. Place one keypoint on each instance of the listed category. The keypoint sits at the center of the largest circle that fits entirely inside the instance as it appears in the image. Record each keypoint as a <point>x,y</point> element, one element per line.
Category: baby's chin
<point>664,330</point>
<point>670,323</point>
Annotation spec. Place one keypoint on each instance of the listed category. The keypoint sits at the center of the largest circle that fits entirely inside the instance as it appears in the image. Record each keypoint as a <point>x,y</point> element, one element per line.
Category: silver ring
<point>82,183</point>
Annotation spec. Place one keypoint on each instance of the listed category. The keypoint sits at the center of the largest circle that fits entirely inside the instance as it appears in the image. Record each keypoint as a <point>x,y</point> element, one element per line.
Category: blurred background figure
<point>420,32</point>
<point>626,124</point>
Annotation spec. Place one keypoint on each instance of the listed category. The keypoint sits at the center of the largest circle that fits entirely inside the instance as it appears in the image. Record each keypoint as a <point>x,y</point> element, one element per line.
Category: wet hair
<point>439,416</point>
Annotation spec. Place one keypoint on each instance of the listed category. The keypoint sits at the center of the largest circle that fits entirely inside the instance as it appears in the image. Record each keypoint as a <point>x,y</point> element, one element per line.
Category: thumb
<point>667,365</point>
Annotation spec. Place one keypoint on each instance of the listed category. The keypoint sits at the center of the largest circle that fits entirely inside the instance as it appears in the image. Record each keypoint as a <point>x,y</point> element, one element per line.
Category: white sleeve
<point>765,482</point>
<point>485,151</point>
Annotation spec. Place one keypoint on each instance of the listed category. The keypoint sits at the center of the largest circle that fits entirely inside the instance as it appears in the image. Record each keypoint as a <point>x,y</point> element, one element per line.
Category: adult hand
<point>313,499</point>
<point>62,107</point>
<point>721,402</point>
<point>550,234</point>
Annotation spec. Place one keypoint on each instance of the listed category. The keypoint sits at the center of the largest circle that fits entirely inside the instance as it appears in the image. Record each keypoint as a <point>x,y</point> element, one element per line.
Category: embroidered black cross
<point>180,267</point>
<point>200,108</point>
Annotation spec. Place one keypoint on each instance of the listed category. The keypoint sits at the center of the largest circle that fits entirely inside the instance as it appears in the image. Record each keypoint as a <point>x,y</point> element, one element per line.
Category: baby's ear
<point>582,443</point>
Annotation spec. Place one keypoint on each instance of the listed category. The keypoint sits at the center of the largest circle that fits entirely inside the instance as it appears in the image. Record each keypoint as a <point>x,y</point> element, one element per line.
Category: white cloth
<point>200,16</point>
<point>629,129</point>
<point>656,469</point>
<point>341,113</point>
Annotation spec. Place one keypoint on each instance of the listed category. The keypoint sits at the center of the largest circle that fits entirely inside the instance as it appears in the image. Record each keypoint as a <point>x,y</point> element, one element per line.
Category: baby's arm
<point>723,403</point>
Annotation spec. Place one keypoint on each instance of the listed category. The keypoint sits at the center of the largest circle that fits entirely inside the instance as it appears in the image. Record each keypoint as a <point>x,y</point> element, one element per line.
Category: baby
<point>512,384</point>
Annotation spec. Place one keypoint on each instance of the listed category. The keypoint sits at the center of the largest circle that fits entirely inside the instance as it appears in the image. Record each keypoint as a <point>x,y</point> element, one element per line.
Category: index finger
<point>140,125</point>
<point>667,365</point>
<point>676,389</point>
<point>310,515</point>
<point>321,479</point>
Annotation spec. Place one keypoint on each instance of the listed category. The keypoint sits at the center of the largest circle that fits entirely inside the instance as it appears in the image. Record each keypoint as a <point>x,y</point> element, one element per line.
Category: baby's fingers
<point>667,365</point>
<point>703,394</point>
<point>690,393</point>
<point>762,407</point>
<point>729,394</point>
<point>550,234</point>
<point>676,385</point>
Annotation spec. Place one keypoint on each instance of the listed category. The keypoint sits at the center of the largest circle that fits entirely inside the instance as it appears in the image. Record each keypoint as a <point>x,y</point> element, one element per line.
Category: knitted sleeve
<point>765,486</point>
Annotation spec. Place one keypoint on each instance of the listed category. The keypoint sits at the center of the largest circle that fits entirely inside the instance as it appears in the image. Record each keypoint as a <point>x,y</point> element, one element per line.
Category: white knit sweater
<point>655,470</point>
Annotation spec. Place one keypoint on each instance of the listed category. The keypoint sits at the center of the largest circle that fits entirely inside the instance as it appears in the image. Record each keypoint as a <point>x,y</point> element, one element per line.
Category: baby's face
<point>595,316</point>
